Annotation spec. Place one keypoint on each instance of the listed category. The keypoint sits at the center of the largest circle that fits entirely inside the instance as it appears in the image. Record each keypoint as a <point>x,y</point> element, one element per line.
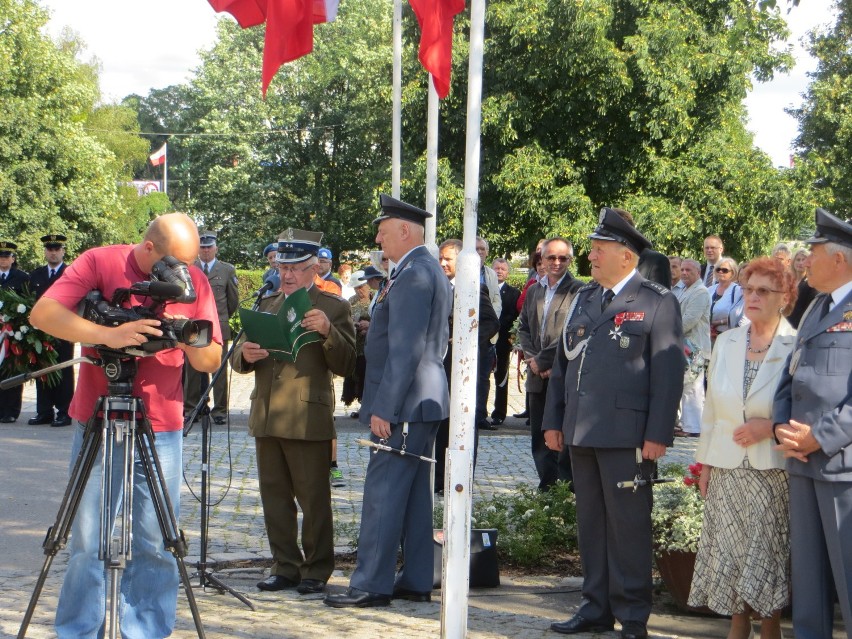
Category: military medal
<point>794,361</point>
<point>624,342</point>
<point>618,320</point>
<point>847,316</point>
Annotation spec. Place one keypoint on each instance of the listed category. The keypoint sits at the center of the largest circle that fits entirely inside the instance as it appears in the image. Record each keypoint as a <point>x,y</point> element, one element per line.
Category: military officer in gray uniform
<point>613,397</point>
<point>223,280</point>
<point>813,425</point>
<point>405,399</point>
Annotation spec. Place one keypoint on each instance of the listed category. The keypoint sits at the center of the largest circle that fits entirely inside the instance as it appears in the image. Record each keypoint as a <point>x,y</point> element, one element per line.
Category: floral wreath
<point>23,348</point>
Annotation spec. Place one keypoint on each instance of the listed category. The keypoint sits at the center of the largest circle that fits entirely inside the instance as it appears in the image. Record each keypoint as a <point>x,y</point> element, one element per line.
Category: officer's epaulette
<point>658,288</point>
<point>333,296</point>
<point>588,286</point>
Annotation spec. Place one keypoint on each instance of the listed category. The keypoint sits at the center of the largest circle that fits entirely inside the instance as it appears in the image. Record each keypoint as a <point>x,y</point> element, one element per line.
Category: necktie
<point>2,278</point>
<point>708,275</point>
<point>206,270</point>
<point>607,298</point>
<point>52,273</point>
<point>826,304</point>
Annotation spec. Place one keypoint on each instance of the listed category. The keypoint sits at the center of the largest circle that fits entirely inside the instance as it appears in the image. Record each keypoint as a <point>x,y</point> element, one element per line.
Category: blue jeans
<point>149,583</point>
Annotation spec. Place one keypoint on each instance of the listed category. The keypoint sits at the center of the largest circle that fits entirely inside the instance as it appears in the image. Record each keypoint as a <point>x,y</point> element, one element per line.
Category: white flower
<point>4,318</point>
<point>18,336</point>
<point>25,329</point>
<point>1,304</point>
<point>22,308</point>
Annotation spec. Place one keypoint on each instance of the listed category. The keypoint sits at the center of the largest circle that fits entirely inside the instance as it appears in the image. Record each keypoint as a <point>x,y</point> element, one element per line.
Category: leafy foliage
<point>53,175</point>
<point>678,511</point>
<point>825,120</point>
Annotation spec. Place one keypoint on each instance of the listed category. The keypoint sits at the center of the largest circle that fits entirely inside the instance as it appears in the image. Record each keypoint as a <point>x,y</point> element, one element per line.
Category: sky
<point>155,44</point>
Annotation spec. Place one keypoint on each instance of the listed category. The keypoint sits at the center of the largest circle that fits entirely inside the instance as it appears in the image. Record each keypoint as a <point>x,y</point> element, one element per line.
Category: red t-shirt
<point>158,380</point>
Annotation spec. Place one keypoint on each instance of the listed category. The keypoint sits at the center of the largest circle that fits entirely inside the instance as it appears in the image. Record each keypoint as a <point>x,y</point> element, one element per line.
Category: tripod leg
<point>57,534</point>
<point>172,537</point>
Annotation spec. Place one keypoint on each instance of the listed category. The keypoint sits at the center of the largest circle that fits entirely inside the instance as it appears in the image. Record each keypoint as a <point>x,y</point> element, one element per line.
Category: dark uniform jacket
<point>40,279</point>
<point>16,279</point>
<point>509,312</point>
<point>296,401</point>
<point>627,386</point>
<point>816,389</point>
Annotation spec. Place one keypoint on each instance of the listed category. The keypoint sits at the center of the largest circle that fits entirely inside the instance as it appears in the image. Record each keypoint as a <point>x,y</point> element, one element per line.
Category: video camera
<point>170,282</point>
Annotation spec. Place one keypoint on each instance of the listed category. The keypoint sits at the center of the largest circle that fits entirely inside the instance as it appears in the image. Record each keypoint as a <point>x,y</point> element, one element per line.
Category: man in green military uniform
<point>292,420</point>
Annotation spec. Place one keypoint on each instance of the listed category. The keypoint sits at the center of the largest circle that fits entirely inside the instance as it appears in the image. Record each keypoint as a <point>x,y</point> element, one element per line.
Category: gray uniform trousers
<point>397,506</point>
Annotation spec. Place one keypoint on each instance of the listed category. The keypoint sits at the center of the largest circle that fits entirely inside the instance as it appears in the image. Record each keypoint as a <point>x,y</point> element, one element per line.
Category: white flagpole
<point>459,467</point>
<point>166,167</point>
<point>432,164</point>
<point>396,149</point>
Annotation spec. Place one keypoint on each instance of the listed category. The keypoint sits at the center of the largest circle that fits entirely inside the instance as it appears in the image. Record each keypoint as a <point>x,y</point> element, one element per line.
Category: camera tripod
<point>122,434</point>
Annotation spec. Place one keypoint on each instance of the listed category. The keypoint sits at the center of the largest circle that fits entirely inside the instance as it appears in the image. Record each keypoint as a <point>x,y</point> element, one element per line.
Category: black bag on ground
<point>484,567</point>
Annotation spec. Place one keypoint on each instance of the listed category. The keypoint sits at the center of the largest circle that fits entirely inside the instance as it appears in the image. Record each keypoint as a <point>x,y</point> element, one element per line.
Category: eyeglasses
<point>721,269</point>
<point>558,258</point>
<point>760,291</point>
<point>293,269</point>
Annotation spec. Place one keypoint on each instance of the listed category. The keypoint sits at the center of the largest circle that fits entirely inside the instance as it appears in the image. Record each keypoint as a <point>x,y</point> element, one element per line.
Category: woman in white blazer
<point>742,567</point>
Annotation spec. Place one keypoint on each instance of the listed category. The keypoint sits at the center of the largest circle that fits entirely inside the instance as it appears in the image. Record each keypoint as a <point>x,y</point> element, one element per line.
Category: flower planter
<point>676,568</point>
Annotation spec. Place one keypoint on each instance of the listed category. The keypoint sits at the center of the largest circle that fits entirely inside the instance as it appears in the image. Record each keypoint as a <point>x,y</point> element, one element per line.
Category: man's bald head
<point>172,234</point>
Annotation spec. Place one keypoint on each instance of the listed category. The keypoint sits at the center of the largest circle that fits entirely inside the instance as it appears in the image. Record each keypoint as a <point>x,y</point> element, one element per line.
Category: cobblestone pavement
<point>521,607</point>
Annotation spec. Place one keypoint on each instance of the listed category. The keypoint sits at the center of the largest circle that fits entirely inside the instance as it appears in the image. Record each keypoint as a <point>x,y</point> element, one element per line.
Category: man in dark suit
<point>542,316</point>
<point>656,267</point>
<point>17,280</point>
<point>292,421</point>
<point>713,249</point>
<point>58,396</point>
<point>405,399</point>
<point>223,280</point>
<point>509,313</point>
<point>622,337</point>
<point>813,425</point>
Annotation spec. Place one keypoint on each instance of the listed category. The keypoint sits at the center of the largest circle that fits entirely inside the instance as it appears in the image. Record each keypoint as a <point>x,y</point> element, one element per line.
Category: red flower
<point>16,350</point>
<point>690,481</point>
<point>695,469</point>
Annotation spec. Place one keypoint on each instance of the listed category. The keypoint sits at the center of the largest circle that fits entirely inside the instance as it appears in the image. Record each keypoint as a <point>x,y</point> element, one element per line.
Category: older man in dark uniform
<point>813,425</point>
<point>223,280</point>
<point>17,280</point>
<point>292,421</point>
<point>405,399</point>
<point>613,397</point>
<point>57,396</point>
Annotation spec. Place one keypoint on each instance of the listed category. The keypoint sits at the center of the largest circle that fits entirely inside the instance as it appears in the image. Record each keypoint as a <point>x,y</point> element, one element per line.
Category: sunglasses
<point>558,258</point>
<point>721,269</point>
<point>760,291</point>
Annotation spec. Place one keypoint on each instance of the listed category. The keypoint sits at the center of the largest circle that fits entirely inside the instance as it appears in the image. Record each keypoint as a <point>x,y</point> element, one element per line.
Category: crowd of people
<point>752,359</point>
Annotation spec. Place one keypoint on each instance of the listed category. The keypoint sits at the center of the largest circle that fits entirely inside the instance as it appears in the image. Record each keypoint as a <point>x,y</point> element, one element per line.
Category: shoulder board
<point>588,286</point>
<point>658,288</point>
<point>333,296</point>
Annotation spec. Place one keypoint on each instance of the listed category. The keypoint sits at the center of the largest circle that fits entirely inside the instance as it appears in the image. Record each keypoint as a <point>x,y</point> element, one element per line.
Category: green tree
<point>825,117</point>
<point>53,175</point>
<point>618,102</point>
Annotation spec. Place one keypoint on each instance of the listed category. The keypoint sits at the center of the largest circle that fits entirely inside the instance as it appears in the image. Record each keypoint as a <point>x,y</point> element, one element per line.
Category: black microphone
<point>165,290</point>
<point>271,283</point>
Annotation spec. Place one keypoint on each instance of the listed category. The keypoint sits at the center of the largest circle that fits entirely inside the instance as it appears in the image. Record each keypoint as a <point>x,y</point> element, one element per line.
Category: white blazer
<point>724,409</point>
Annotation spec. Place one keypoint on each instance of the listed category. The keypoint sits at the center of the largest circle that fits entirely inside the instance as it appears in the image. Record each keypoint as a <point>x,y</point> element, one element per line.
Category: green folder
<point>281,333</point>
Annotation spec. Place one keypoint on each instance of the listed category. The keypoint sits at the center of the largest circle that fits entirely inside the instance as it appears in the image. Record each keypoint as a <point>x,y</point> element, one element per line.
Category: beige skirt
<point>744,552</point>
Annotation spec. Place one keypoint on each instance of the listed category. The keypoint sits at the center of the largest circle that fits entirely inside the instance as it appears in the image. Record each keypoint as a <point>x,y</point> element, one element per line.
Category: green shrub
<point>531,525</point>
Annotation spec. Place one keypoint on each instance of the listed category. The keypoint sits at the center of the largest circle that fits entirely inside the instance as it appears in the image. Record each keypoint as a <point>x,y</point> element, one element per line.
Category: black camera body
<point>172,284</point>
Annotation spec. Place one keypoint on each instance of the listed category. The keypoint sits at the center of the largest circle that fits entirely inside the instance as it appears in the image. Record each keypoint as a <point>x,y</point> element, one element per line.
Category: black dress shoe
<point>8,419</point>
<point>354,598</point>
<point>634,630</point>
<point>220,420</point>
<point>578,624</point>
<point>276,582</point>
<point>310,586</point>
<point>496,421</point>
<point>40,420</point>
<point>61,420</point>
<point>485,425</point>
<point>412,595</point>
<point>523,415</point>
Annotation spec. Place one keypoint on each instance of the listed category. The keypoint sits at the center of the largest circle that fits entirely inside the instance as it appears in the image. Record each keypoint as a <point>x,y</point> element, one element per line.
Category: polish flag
<point>158,157</point>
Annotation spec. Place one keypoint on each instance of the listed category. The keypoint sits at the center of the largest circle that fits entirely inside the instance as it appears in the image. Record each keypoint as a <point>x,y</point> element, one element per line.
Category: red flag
<point>436,38</point>
<point>289,27</point>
